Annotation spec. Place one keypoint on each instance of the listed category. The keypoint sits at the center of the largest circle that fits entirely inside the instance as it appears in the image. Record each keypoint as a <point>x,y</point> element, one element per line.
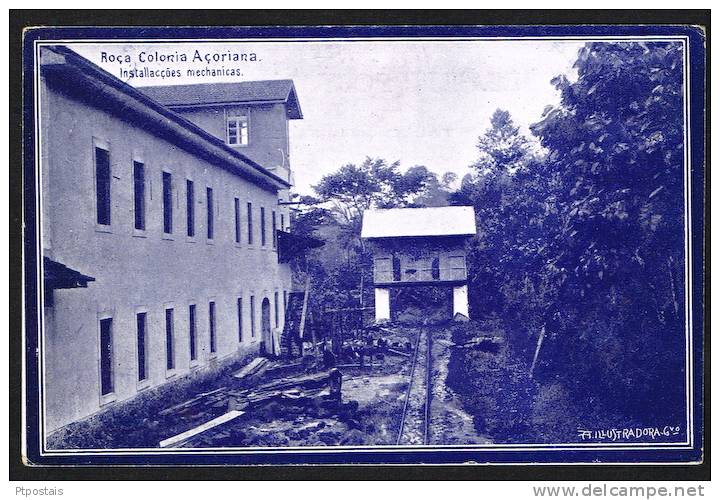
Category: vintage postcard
<point>345,245</point>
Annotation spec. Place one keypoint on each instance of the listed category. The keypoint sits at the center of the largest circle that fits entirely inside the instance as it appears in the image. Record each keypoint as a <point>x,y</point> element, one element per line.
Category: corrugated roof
<point>227,93</point>
<point>407,222</point>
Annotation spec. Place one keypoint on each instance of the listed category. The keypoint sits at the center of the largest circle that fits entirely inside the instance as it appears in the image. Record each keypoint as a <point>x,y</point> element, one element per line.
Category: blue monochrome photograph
<point>436,245</point>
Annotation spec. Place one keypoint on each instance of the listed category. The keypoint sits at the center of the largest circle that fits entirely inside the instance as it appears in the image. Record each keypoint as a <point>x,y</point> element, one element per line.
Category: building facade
<point>164,234</point>
<point>419,247</point>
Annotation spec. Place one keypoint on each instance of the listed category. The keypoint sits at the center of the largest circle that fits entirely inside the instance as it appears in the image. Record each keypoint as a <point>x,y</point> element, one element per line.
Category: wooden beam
<point>175,440</point>
<point>251,368</point>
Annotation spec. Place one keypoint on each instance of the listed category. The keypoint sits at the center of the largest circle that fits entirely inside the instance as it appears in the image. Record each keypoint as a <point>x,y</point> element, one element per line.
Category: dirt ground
<point>449,423</point>
<point>373,399</point>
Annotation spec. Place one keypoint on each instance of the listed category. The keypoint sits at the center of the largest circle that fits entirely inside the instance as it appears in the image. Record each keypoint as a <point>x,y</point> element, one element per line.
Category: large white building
<point>160,217</point>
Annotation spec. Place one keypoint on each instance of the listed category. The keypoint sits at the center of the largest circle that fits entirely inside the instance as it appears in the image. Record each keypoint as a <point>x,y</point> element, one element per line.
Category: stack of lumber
<point>206,402</point>
<point>289,389</point>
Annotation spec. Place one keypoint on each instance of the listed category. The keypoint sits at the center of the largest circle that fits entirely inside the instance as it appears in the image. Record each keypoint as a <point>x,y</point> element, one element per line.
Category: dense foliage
<point>585,243</point>
<point>580,248</point>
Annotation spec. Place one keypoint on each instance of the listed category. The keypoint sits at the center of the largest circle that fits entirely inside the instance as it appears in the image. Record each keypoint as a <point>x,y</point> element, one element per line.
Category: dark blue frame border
<point>697,129</point>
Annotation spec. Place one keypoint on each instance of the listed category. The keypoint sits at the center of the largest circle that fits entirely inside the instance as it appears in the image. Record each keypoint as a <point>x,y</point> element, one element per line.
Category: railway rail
<point>416,415</point>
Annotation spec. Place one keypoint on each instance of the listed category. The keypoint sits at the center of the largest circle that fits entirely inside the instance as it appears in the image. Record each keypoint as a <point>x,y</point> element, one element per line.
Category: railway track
<point>416,413</point>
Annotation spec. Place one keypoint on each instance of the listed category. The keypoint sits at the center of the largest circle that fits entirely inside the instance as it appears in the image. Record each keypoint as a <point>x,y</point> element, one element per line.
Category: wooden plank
<point>191,402</point>
<point>227,417</point>
<point>349,309</point>
<point>299,381</point>
<point>250,368</point>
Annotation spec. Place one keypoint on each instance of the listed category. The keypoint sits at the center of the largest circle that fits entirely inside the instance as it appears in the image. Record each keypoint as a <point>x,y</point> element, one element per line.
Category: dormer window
<point>237,131</point>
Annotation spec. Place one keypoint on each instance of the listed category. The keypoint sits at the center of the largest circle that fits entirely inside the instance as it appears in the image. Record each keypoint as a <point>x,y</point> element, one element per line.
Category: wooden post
<point>537,350</point>
<point>303,314</point>
<point>382,304</point>
<point>362,276</point>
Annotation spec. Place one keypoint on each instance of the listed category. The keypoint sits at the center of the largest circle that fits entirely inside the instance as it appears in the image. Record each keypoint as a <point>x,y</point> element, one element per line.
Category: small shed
<point>419,246</point>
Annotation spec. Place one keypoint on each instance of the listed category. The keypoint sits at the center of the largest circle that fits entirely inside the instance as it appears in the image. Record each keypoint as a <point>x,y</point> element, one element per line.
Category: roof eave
<point>406,236</point>
<point>292,114</point>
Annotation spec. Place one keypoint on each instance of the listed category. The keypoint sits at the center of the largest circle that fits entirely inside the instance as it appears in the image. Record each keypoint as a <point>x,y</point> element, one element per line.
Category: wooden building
<point>419,246</point>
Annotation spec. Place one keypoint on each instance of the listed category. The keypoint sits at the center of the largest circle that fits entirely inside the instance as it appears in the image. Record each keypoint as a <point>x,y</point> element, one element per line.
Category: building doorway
<point>268,343</point>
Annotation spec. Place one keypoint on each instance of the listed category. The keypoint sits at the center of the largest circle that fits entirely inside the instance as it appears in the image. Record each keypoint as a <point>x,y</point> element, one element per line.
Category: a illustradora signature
<point>629,433</point>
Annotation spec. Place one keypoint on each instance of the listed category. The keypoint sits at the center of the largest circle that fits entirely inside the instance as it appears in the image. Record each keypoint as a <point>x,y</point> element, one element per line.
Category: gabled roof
<point>80,78</point>
<point>207,94</point>
<point>418,222</point>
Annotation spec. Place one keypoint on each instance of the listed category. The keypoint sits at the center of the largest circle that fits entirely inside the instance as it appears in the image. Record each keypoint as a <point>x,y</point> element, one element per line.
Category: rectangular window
<point>249,223</point>
<point>240,318</point>
<point>277,310</point>
<point>237,220</point>
<point>285,301</point>
<point>210,214</point>
<point>190,203</point>
<point>141,345</point>
<point>167,202</point>
<point>282,222</point>
<point>262,226</point>
<point>192,321</point>
<point>252,315</point>
<point>169,339</point>
<point>274,230</point>
<point>102,185</point>
<point>106,356</point>
<point>139,192</point>
<point>213,344</point>
<point>237,131</point>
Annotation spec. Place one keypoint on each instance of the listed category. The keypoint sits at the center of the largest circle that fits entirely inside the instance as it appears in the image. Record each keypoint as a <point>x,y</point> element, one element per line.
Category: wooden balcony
<point>427,276</point>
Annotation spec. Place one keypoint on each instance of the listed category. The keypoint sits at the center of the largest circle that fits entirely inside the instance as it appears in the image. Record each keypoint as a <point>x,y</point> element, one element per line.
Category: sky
<point>419,102</point>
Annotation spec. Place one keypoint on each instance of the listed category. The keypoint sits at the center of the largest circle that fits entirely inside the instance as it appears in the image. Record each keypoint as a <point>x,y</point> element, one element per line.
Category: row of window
<point>107,373</point>
<point>103,194</point>
<point>391,269</point>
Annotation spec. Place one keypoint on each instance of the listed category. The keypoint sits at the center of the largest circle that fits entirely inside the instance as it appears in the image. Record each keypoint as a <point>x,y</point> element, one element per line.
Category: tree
<point>374,183</point>
<point>503,155</point>
<point>615,149</point>
<point>436,192</point>
<point>585,244</point>
<point>341,271</point>
<point>502,148</point>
